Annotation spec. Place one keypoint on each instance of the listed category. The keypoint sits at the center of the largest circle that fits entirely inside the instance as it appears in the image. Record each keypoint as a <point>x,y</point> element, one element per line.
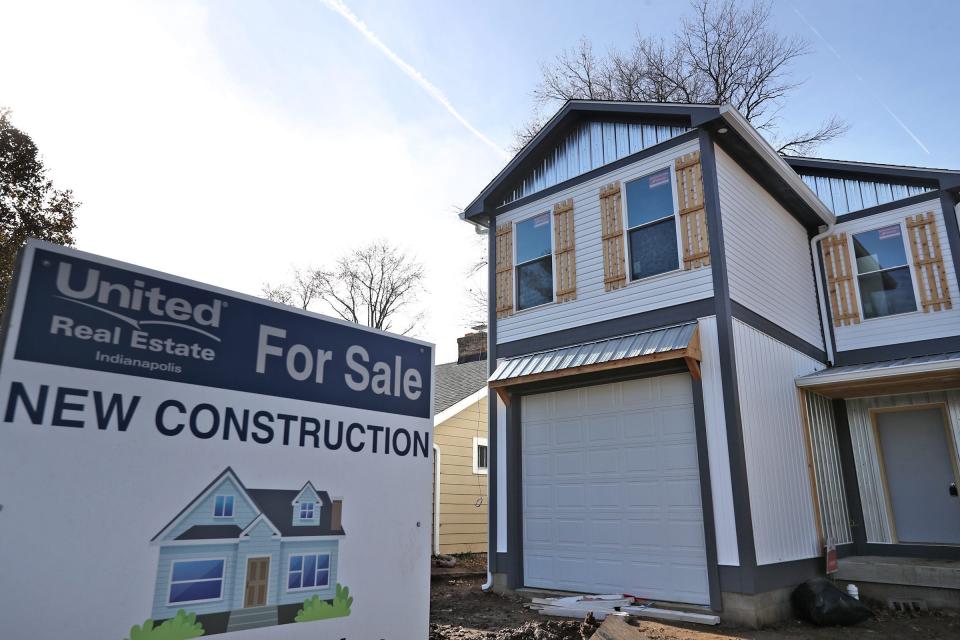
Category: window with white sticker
<point>883,272</point>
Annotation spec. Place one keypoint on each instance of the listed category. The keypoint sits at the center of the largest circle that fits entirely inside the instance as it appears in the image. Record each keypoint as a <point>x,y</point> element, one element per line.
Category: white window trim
<point>329,570</point>
<point>233,503</point>
<point>477,441</point>
<point>553,263</point>
<point>313,510</point>
<point>676,222</point>
<point>907,252</point>
<point>170,582</point>
<point>243,583</point>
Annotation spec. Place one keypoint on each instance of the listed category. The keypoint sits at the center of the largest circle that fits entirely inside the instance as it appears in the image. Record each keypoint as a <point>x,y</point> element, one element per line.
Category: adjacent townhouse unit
<point>244,558</point>
<point>712,362</point>
<point>460,454</point>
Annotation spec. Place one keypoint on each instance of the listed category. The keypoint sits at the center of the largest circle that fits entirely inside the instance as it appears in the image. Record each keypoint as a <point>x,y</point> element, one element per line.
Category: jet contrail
<point>432,90</point>
<point>896,118</point>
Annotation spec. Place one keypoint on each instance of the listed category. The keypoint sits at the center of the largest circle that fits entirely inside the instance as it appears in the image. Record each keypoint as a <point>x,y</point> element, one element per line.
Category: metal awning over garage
<point>907,375</point>
<point>666,343</point>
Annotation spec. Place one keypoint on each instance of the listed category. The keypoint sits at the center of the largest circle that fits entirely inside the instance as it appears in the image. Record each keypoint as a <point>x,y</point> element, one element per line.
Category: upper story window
<point>883,272</point>
<point>223,507</point>
<point>651,225</point>
<point>306,511</point>
<point>534,262</point>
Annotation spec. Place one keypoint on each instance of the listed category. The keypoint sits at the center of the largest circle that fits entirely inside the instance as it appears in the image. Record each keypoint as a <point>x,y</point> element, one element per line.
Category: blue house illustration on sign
<point>248,552</point>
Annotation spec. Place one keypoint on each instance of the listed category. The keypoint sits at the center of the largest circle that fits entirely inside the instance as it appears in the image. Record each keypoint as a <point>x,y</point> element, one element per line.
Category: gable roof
<point>455,381</point>
<point>733,133</point>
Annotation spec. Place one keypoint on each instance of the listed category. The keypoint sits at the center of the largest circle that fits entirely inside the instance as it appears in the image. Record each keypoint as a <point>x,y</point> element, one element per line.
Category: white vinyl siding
<point>774,440</point>
<point>721,486</point>
<point>593,303</point>
<point>904,327</point>
<point>768,254</point>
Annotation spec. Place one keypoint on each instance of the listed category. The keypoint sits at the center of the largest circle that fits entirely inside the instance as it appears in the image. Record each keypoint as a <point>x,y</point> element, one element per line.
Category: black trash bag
<point>822,603</point>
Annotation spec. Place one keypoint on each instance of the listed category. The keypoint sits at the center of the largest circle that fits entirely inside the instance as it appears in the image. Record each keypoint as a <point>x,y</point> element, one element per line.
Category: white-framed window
<point>306,510</point>
<point>650,220</point>
<point>533,248</point>
<point>884,278</point>
<point>196,581</point>
<point>223,507</point>
<point>308,571</point>
<point>481,455</point>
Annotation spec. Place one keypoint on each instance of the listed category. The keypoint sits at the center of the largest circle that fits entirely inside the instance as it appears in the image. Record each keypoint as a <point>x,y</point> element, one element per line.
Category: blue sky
<point>228,141</point>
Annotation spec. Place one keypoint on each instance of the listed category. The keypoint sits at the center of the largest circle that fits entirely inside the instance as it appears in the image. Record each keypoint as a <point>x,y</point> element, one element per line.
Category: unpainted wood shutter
<point>693,213</point>
<point>611,229</point>
<point>564,254</point>
<point>504,270</point>
<point>928,262</point>
<point>840,280</point>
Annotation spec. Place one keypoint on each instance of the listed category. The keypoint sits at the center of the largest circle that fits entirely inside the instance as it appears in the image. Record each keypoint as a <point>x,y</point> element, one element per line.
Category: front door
<point>255,593</point>
<point>919,465</point>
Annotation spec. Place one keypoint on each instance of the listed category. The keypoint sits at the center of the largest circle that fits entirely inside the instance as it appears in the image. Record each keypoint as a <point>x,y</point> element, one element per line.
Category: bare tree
<point>723,53</point>
<point>301,291</point>
<point>374,285</point>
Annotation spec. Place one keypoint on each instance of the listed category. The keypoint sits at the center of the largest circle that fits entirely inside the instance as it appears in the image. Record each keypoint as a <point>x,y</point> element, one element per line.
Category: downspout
<point>821,294</point>
<point>436,500</point>
<point>492,487</point>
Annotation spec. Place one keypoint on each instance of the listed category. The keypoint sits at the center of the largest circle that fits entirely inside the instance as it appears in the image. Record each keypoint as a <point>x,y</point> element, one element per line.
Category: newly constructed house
<point>712,362</point>
<point>460,449</point>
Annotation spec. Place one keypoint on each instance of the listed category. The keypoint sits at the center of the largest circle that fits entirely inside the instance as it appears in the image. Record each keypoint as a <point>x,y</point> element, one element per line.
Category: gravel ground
<point>459,610</point>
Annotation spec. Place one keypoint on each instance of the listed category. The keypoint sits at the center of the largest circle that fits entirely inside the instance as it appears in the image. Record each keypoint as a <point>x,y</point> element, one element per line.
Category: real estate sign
<point>177,460</point>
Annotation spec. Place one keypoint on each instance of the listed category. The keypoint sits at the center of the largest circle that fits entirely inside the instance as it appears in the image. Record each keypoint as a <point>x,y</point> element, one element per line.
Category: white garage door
<point>611,491</point>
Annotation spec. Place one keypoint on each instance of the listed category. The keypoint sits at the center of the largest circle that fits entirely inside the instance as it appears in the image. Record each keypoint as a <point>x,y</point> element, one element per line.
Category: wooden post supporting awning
<point>907,375</point>
<point>678,342</point>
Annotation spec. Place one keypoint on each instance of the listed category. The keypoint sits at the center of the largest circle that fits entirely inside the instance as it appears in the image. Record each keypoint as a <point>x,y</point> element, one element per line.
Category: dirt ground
<point>459,610</point>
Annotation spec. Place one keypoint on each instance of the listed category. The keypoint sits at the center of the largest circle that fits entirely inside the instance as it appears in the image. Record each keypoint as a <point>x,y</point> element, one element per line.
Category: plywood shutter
<point>928,262</point>
<point>840,281</point>
<point>693,213</point>
<point>611,228</point>
<point>564,254</point>
<point>504,270</point>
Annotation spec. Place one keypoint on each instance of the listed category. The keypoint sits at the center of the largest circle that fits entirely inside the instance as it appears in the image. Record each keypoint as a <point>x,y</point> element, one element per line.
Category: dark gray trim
<point>935,551</point>
<point>706,497</point>
<point>863,171</point>
<point>492,526</point>
<point>848,472</point>
<point>608,328</point>
<point>728,363</point>
<point>889,206</point>
<point>947,203</point>
<point>846,550</point>
<point>514,495</point>
<point>826,299</point>
<point>776,332</point>
<point>660,147</point>
<point>901,350</point>
<point>767,577</point>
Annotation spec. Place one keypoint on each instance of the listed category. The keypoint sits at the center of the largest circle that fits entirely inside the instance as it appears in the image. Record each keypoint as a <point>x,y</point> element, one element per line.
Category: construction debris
<point>604,606</point>
<point>616,628</point>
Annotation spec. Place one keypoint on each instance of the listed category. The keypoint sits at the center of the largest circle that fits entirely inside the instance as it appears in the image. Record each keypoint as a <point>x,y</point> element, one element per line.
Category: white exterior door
<point>611,491</point>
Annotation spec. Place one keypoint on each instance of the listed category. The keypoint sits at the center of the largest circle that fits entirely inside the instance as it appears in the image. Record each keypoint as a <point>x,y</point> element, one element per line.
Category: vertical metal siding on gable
<point>588,146</point>
<point>718,453</point>
<point>826,465</point>
<point>781,500</point>
<point>876,517</point>
<point>767,253</point>
<point>594,304</point>
<point>906,327</point>
<point>842,195</point>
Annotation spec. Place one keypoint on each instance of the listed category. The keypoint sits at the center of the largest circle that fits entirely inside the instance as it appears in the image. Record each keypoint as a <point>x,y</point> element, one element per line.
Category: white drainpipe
<point>821,294</point>
<point>436,501</point>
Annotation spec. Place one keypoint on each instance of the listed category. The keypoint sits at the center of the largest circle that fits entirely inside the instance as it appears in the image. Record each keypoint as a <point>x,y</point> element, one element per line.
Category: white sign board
<point>178,460</point>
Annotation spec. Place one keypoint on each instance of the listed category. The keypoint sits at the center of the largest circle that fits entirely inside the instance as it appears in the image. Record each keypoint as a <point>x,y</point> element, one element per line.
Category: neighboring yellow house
<point>460,446</point>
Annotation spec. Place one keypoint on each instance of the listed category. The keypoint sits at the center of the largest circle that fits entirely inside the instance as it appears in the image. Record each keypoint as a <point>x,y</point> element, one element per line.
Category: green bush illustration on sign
<point>181,627</point>
<point>316,609</point>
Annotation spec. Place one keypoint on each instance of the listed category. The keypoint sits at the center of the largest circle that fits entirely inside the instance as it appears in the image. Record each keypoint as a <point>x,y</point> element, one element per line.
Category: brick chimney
<point>471,347</point>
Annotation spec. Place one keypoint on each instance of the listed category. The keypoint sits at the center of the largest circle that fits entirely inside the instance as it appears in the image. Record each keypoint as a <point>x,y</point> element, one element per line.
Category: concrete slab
<point>916,572</point>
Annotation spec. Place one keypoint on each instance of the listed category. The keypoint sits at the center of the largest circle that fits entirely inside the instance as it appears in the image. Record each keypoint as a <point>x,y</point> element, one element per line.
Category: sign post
<point>178,460</point>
